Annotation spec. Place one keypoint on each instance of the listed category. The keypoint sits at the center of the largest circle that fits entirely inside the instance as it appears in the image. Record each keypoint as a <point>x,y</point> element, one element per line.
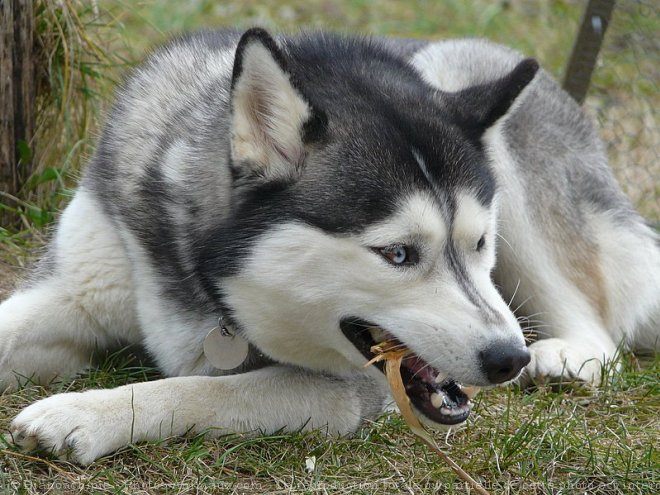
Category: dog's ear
<point>480,107</point>
<point>272,121</point>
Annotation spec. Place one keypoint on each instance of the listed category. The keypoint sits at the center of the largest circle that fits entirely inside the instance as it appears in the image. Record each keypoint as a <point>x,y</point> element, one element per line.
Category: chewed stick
<point>393,371</point>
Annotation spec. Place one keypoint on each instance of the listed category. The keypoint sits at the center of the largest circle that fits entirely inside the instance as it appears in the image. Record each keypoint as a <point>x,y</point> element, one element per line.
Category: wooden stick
<point>393,370</point>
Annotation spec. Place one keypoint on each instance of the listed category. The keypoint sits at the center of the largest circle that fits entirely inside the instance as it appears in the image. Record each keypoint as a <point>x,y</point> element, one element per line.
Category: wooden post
<point>17,94</point>
<point>587,45</point>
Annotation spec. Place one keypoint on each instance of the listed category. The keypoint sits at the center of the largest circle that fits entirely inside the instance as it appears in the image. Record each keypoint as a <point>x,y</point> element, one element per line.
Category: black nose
<point>503,361</point>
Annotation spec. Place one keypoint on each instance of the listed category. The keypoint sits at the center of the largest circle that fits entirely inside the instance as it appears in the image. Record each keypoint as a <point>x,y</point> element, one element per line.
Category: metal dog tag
<point>224,350</point>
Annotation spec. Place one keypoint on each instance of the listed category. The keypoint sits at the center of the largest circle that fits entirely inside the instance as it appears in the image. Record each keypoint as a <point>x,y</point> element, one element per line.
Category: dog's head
<point>364,209</point>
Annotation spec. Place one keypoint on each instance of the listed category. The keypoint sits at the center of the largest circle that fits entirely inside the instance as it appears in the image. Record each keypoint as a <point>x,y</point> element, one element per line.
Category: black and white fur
<point>267,180</point>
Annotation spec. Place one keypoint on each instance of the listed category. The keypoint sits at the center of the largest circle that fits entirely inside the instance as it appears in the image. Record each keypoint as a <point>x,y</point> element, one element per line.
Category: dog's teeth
<point>446,411</point>
<point>457,411</point>
<point>437,400</point>
<point>441,377</point>
<point>377,334</point>
<point>470,391</point>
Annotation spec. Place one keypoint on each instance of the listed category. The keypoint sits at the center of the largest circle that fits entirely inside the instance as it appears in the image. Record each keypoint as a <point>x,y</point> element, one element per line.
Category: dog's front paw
<point>556,360</point>
<point>65,425</point>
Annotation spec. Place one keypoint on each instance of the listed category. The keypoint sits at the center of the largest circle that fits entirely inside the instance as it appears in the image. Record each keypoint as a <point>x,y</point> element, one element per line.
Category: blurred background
<point>81,48</point>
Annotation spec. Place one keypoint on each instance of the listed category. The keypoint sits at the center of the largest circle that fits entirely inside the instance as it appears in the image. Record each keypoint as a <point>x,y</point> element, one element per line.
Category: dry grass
<point>74,77</point>
<point>625,98</point>
<point>543,442</point>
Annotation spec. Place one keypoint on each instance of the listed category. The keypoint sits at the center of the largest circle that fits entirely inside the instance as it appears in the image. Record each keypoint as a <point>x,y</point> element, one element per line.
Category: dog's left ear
<point>480,107</point>
<point>272,121</point>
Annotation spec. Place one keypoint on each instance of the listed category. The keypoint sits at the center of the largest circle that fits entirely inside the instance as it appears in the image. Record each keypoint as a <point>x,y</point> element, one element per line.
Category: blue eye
<point>399,254</point>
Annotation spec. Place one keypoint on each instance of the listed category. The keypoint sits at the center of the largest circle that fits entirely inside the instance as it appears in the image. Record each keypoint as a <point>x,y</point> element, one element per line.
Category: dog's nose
<point>503,361</point>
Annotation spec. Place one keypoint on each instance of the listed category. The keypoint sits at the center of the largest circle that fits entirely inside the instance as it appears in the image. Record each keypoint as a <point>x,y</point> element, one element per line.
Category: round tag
<point>225,351</point>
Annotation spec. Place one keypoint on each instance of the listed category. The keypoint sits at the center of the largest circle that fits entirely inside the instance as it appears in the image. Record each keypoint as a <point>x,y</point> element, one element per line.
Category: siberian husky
<point>261,210</point>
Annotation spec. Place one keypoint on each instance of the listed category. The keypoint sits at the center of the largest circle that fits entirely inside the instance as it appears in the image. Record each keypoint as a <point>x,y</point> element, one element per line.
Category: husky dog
<point>261,211</point>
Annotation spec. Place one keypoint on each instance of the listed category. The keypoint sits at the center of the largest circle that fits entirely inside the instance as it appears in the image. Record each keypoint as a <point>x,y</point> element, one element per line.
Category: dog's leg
<point>83,303</point>
<point>588,302</point>
<point>84,426</point>
<point>631,259</point>
<point>573,340</point>
<point>575,336</point>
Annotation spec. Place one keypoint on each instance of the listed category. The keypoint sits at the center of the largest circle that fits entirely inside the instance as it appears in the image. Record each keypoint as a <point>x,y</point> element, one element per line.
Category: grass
<point>547,441</point>
<point>74,70</point>
<point>542,442</point>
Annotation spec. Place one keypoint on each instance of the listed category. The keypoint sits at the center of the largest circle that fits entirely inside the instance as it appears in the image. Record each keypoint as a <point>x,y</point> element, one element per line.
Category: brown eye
<point>399,255</point>
<point>481,243</point>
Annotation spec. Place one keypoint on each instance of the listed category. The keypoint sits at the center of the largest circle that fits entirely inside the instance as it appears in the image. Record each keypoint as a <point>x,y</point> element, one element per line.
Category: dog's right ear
<point>272,121</point>
<point>480,107</point>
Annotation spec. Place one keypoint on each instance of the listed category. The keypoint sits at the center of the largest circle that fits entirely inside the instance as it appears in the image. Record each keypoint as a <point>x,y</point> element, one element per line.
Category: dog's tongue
<point>419,368</point>
<point>438,398</point>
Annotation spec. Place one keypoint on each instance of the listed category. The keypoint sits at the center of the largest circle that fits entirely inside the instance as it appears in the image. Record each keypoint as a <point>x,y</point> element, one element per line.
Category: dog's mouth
<point>434,394</point>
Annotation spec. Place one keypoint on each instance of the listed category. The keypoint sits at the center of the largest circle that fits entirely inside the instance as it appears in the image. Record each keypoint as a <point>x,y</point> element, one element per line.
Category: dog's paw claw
<point>21,440</point>
<point>56,426</point>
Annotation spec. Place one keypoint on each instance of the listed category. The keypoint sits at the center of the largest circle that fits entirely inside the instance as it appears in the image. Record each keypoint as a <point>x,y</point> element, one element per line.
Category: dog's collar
<point>226,326</point>
<point>223,347</point>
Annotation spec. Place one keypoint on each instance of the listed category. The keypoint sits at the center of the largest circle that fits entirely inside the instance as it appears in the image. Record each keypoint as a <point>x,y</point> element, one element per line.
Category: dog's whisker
<point>540,313</point>
<point>538,327</point>
<point>504,239</point>
<point>525,301</point>
<point>537,324</point>
<point>514,294</point>
<point>541,333</point>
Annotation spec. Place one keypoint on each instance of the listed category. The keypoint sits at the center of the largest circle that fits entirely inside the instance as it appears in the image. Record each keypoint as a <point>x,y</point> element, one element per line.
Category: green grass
<point>519,23</point>
<point>547,441</point>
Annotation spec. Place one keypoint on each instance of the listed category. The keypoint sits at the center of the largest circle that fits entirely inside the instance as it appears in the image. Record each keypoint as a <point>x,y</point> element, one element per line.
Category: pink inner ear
<point>271,112</point>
